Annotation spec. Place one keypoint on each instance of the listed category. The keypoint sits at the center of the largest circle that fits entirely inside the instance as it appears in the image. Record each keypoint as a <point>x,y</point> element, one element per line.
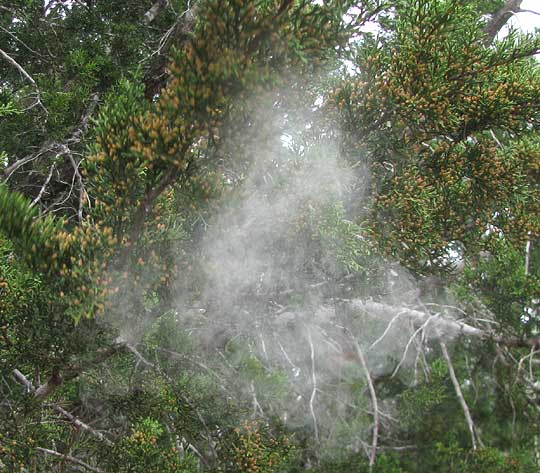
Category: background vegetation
<point>242,236</point>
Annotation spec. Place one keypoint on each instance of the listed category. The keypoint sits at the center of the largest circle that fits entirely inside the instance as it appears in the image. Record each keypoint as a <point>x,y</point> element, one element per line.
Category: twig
<point>314,388</point>
<point>165,39</point>
<point>494,136</point>
<point>527,253</point>
<point>526,10</point>
<point>141,358</point>
<point>46,389</point>
<point>448,327</point>
<point>413,337</point>
<point>79,180</point>
<point>76,422</point>
<point>80,424</point>
<point>28,77</point>
<point>475,438</point>
<point>69,458</point>
<point>445,327</point>
<point>43,187</point>
<point>374,402</point>
<point>386,330</point>
<point>20,41</point>
<point>178,34</point>
<point>53,146</point>
<point>295,369</point>
<point>184,398</point>
<point>256,404</point>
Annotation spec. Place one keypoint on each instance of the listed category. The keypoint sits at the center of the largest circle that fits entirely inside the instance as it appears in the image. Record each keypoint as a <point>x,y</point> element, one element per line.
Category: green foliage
<point>149,449</point>
<point>509,292</point>
<point>449,128</point>
<point>32,235</point>
<point>430,119</point>
<point>342,242</point>
<point>253,448</point>
<point>36,328</point>
<point>67,259</point>
<point>451,458</point>
<point>7,109</point>
<point>120,180</point>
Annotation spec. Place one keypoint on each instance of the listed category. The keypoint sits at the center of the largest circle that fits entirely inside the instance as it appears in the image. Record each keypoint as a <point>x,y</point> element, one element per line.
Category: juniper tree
<point>128,130</point>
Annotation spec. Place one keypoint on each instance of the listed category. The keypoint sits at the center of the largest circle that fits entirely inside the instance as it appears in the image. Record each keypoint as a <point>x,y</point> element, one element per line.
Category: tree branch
<point>45,390</point>
<point>154,11</point>
<point>499,19</point>
<point>314,388</point>
<point>155,77</point>
<point>58,147</point>
<point>69,458</point>
<point>28,77</point>
<point>81,425</point>
<point>146,205</point>
<point>442,328</point>
<point>374,404</point>
<point>525,10</point>
<point>475,438</point>
<point>21,378</point>
<point>44,186</point>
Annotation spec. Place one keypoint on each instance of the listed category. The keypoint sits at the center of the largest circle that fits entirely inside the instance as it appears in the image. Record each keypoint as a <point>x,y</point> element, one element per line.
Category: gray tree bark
<point>499,19</point>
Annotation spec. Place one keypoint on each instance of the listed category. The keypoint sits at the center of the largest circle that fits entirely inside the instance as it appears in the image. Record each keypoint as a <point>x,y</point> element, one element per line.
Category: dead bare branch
<point>69,458</point>
<point>528,253</point>
<point>443,327</point>
<point>475,437</point>
<point>374,403</point>
<point>44,186</point>
<point>525,10</point>
<point>21,378</point>
<point>499,19</point>
<point>77,174</point>
<point>177,34</point>
<point>58,147</point>
<point>314,388</point>
<point>16,38</point>
<point>420,329</point>
<point>71,372</point>
<point>80,424</point>
<point>27,76</point>
<point>154,11</point>
<point>388,327</point>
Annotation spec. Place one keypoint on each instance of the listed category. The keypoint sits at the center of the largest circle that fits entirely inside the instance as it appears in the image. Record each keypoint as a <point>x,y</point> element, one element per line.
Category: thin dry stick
<point>164,40</point>
<point>314,390</point>
<point>43,187</point>
<point>386,330</point>
<point>374,402</point>
<point>256,406</point>
<point>527,253</point>
<point>80,181</point>
<point>80,424</point>
<point>472,429</point>
<point>20,41</point>
<point>531,357</point>
<point>27,76</point>
<point>74,420</point>
<point>413,338</point>
<point>294,367</point>
<point>69,458</point>
<point>58,148</point>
